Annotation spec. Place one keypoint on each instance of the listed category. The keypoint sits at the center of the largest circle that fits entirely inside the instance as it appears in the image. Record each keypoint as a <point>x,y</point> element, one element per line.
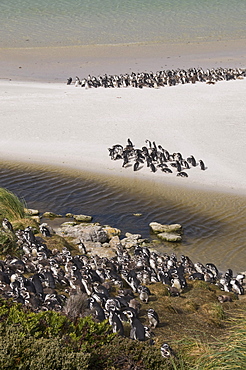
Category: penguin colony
<point>155,157</point>
<point>130,273</point>
<point>160,78</point>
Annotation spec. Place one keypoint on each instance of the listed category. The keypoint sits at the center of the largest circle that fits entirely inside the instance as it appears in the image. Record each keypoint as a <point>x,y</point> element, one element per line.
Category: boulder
<point>86,232</point>
<point>31,212</point>
<point>169,237</point>
<point>51,215</point>
<point>82,218</point>
<point>159,228</point>
<point>114,242</point>
<point>111,231</point>
<point>131,240</point>
<point>69,215</point>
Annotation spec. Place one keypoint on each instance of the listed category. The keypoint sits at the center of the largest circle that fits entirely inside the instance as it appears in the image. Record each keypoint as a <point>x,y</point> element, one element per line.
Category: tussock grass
<point>11,206</point>
<point>229,353</point>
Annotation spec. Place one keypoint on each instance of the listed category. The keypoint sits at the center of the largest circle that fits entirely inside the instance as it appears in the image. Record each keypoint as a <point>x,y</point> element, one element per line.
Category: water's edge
<point>214,226</point>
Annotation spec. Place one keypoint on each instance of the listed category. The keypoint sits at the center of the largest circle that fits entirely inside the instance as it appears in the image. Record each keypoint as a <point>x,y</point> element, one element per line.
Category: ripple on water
<point>214,224</point>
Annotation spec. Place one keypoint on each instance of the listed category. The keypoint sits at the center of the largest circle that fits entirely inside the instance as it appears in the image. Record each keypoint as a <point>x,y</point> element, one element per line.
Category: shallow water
<point>214,223</point>
<point>28,23</point>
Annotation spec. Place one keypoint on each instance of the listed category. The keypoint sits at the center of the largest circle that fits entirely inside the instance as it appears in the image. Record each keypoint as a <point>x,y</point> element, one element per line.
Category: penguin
<point>137,331</point>
<point>44,229</point>
<point>182,174</point>
<point>152,167</point>
<point>192,160</point>
<point>129,142</point>
<point>144,293</point>
<point>178,166</point>
<point>77,81</point>
<point>69,80</point>
<point>153,318</point>
<point>82,247</point>
<point>224,298</point>
<point>166,351</point>
<point>7,225</point>
<point>116,323</point>
<point>136,166</point>
<point>166,170</point>
<point>202,165</point>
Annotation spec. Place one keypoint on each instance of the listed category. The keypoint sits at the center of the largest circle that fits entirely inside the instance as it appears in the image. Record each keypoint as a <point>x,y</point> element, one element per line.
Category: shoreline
<point>59,125</point>
<point>56,64</point>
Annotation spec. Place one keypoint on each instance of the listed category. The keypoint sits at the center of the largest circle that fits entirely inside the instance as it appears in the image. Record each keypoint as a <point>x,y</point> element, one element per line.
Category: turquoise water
<point>28,23</point>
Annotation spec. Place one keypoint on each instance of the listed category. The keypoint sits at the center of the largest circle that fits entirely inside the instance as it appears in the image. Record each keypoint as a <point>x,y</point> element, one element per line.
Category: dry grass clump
<point>58,242</point>
<point>22,223</point>
<point>77,306</point>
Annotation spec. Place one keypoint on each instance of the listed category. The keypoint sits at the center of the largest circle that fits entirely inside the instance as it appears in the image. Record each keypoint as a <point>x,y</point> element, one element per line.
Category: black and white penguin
<point>202,165</point>
<point>182,174</point>
<point>144,293</point>
<point>69,81</point>
<point>7,225</point>
<point>44,229</point>
<point>192,160</point>
<point>116,323</point>
<point>82,247</point>
<point>166,351</point>
<point>137,331</point>
<point>136,166</point>
<point>153,318</point>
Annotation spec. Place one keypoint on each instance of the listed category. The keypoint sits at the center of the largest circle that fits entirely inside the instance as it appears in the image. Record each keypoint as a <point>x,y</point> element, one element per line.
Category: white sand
<point>73,127</point>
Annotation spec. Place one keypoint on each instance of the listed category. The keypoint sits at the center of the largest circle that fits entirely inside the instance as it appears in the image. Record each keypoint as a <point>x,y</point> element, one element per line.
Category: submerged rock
<point>169,237</point>
<point>160,228</point>
<point>82,218</point>
<point>51,215</point>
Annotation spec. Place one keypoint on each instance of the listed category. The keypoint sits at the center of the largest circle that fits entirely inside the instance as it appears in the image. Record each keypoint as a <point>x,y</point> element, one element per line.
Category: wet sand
<point>56,64</point>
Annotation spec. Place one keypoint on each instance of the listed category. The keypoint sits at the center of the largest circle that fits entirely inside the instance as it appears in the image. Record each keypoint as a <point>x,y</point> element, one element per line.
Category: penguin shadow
<point>128,165</point>
<point>139,168</point>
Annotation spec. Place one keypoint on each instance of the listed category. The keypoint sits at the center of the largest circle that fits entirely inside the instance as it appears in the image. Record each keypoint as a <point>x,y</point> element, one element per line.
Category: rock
<point>51,215</point>
<point>31,212</point>
<point>96,249</point>
<point>69,215</point>
<point>131,240</point>
<point>36,218</point>
<point>169,237</point>
<point>111,231</point>
<point>159,228</point>
<point>86,232</point>
<point>133,236</point>
<point>68,223</point>
<point>82,218</point>
<point>114,242</point>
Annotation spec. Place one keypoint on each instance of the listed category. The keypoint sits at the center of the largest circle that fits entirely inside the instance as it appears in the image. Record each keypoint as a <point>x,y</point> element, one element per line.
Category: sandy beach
<point>65,126</point>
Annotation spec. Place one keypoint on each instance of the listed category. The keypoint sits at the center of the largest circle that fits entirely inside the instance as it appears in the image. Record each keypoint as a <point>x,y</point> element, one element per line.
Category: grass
<point>229,353</point>
<point>11,206</point>
<point>205,334</point>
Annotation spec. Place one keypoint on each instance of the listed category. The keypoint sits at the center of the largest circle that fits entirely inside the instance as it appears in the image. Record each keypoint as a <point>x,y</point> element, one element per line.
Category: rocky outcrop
<point>169,237</point>
<point>51,215</point>
<point>169,233</point>
<point>160,228</point>
<point>82,218</point>
<point>86,232</point>
<point>131,240</point>
<point>111,231</point>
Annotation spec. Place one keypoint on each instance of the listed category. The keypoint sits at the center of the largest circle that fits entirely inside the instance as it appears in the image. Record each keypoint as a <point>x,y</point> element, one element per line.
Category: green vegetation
<point>10,206</point>
<point>204,334</point>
